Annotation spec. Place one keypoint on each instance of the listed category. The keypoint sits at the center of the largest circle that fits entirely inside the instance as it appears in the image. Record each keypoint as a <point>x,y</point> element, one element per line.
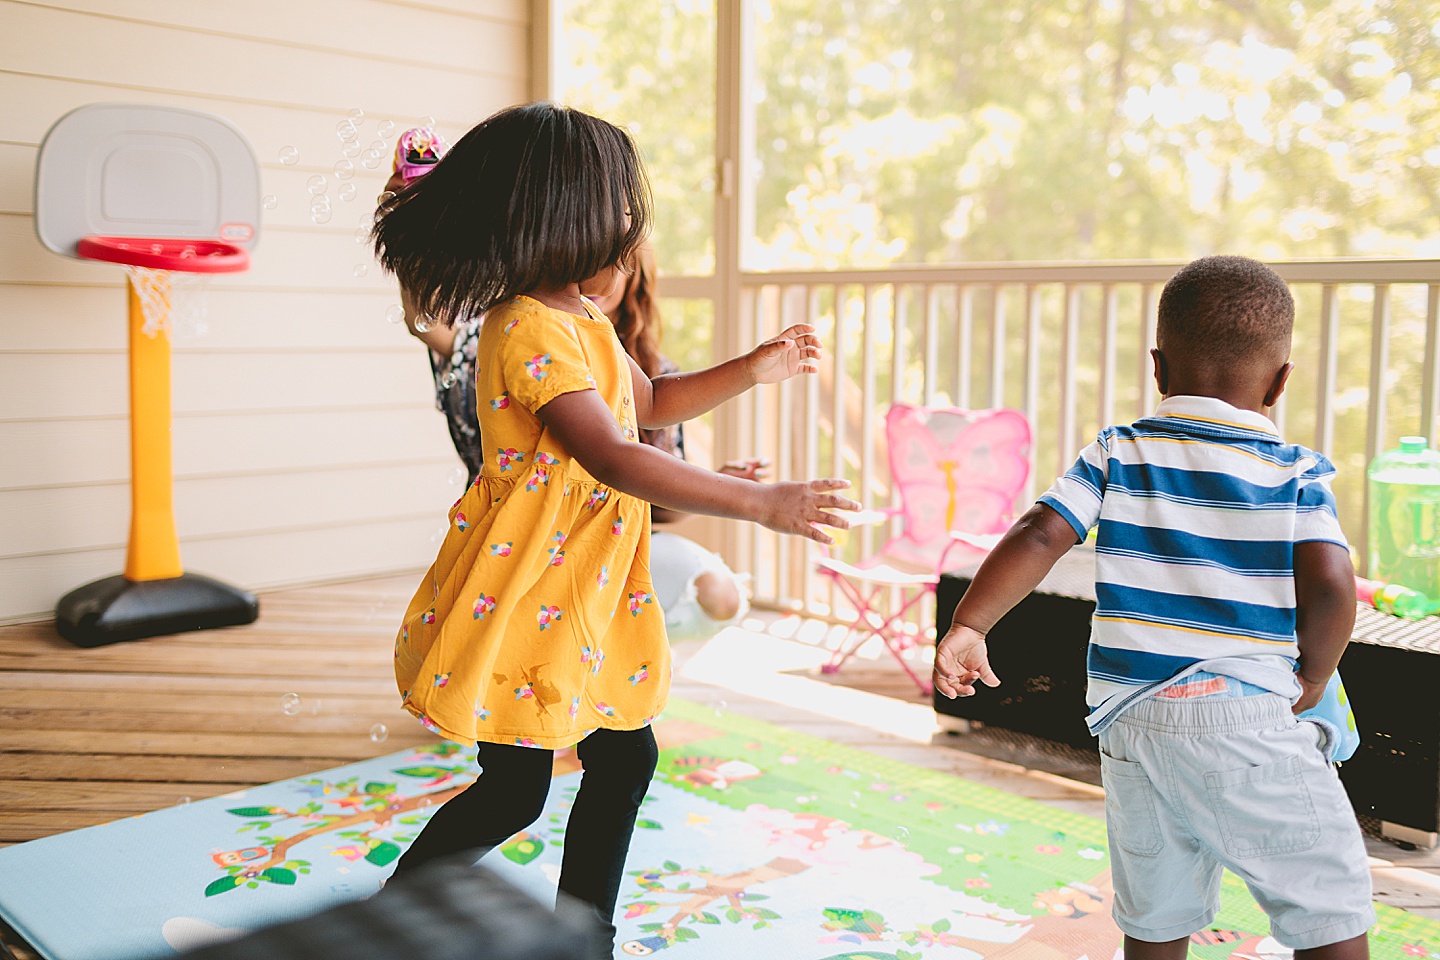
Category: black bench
<point>1391,672</point>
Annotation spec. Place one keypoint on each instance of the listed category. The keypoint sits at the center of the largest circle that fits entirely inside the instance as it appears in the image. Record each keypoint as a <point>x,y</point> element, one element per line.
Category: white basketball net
<point>173,303</point>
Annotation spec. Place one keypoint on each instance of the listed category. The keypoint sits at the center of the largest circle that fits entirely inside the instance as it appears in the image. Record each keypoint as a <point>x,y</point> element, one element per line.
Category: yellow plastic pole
<point>154,551</point>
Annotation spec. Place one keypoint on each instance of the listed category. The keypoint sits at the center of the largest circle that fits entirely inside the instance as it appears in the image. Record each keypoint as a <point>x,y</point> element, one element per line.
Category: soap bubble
<point>356,114</point>
<point>385,198</point>
<point>344,169</point>
<point>901,834</point>
<point>424,324</point>
<point>289,156</point>
<point>269,203</point>
<point>379,146</point>
<point>360,269</point>
<point>317,184</point>
<point>446,382</point>
<point>345,130</point>
<point>315,708</point>
<point>425,801</point>
<point>320,214</point>
<point>290,704</point>
<point>427,122</point>
<point>385,129</point>
<point>457,476</point>
<point>395,313</point>
<point>378,733</point>
<point>347,192</point>
<point>184,801</point>
<point>362,234</point>
<point>370,159</point>
<point>720,706</point>
<point>351,148</point>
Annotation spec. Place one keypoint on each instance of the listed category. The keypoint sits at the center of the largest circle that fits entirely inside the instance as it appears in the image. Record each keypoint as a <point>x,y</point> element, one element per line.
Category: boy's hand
<point>1310,693</point>
<point>797,350</point>
<point>796,508</point>
<point>960,660</point>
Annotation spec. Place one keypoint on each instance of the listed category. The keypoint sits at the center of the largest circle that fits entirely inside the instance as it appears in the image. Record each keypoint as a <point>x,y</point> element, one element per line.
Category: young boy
<point>1225,597</point>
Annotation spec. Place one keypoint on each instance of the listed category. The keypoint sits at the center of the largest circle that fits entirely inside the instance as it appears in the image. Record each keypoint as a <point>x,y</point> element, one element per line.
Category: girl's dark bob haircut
<point>537,196</point>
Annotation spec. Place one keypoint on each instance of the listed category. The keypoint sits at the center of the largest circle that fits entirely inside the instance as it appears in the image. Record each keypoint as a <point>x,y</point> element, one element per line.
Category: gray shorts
<point>1194,786</point>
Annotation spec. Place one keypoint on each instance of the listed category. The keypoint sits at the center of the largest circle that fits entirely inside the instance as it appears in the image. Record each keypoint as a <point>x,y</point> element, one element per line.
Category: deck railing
<point>1068,344</point>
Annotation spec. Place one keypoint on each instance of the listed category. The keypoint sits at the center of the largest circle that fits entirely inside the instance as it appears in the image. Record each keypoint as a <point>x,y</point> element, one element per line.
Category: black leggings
<point>510,795</point>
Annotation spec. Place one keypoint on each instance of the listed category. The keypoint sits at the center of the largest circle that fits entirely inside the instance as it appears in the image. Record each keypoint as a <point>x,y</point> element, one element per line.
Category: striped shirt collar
<point>1215,412</point>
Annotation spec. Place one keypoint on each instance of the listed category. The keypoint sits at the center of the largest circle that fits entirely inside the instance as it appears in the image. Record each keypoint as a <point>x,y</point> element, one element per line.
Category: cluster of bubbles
<point>291,704</point>
<point>371,156</point>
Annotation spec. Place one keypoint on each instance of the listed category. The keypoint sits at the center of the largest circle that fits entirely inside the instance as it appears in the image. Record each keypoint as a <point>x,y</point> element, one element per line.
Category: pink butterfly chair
<point>958,473</point>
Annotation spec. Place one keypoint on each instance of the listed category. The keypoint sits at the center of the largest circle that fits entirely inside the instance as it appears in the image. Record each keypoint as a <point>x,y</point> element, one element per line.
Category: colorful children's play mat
<point>754,841</point>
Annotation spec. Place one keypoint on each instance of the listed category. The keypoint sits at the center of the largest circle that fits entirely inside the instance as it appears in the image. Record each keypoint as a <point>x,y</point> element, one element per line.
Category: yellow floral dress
<point>538,622</point>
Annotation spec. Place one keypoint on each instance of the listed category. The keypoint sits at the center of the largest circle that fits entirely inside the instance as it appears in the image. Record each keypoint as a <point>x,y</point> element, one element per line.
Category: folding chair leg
<point>887,630</point>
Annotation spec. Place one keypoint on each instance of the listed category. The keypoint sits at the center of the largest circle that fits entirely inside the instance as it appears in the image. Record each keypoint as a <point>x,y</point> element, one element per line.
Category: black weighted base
<point>115,609</point>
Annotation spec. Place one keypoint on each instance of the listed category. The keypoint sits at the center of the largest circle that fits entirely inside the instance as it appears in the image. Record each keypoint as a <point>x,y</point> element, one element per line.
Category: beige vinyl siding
<point>306,442</point>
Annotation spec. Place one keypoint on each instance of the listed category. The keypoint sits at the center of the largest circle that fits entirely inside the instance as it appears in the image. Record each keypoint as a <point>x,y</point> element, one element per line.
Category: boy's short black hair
<point>1225,310</point>
<point>535,196</point>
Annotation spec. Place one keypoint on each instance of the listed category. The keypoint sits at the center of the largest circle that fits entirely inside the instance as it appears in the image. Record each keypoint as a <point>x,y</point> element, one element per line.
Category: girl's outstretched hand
<point>960,660</point>
<point>796,508</point>
<point>796,350</point>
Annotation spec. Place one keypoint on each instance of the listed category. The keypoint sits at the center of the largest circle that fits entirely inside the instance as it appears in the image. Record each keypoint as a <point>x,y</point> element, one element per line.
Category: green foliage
<point>256,812</point>
<point>429,772</point>
<point>955,130</point>
<point>222,885</point>
<point>382,853</point>
<point>523,850</point>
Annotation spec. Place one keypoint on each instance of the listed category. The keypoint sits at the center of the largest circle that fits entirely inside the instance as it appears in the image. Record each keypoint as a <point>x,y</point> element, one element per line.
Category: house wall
<point>306,442</point>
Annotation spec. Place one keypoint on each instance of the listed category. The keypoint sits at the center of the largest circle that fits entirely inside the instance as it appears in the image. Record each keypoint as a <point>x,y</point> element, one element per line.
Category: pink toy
<point>959,473</point>
<point>417,151</point>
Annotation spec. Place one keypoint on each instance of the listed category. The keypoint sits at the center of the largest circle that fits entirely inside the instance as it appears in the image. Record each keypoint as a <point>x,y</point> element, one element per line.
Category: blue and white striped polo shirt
<point>1199,509</point>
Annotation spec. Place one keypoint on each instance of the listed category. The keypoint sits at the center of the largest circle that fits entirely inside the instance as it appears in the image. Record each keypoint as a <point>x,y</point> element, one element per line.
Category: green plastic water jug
<point>1405,516</point>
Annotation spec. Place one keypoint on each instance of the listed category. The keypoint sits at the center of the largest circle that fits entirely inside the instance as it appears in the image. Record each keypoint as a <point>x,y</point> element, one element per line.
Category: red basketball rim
<point>167,253</point>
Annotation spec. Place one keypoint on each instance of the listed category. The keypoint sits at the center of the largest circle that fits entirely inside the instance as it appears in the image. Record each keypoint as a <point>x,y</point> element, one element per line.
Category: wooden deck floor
<point>89,736</point>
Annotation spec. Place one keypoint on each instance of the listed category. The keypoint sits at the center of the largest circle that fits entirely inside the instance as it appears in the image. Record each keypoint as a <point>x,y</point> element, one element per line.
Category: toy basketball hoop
<point>158,191</point>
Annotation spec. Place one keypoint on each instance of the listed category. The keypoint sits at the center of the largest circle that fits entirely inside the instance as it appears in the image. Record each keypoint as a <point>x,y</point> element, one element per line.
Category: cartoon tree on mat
<point>857,926</point>
<point>344,808</point>
<point>732,889</point>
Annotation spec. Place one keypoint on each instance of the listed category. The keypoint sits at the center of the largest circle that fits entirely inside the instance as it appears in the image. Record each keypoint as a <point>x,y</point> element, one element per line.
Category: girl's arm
<point>677,397</point>
<point>585,426</point>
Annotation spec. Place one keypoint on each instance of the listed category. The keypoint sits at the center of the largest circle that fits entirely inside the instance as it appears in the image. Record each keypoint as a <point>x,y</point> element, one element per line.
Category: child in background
<point>1225,597</point>
<point>537,628</point>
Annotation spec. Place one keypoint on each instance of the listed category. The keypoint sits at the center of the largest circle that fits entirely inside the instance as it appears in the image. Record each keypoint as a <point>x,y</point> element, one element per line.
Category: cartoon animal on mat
<point>717,772</point>
<point>231,857</point>
<point>1074,900</point>
<point>1248,946</point>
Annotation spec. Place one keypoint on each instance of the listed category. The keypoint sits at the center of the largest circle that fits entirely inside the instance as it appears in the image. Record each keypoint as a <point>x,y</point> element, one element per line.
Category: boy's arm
<point>1324,614</point>
<point>1014,567</point>
<point>676,397</point>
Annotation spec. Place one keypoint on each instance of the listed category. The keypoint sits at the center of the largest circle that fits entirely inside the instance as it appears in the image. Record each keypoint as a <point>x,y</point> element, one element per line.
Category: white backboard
<point>138,170</point>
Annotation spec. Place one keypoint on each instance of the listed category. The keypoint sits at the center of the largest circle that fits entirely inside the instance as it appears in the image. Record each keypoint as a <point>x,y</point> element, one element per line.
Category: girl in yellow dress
<point>537,626</point>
